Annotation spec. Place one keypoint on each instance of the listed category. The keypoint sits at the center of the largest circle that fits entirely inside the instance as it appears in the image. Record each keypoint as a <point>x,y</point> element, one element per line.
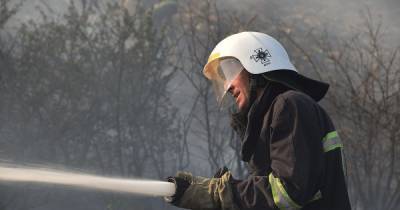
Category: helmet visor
<point>222,72</point>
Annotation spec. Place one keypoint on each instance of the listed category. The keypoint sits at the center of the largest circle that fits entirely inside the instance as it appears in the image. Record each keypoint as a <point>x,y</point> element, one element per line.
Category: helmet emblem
<point>261,55</point>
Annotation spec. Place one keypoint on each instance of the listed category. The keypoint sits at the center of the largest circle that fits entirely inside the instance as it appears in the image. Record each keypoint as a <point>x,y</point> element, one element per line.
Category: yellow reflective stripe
<point>213,57</point>
<point>280,196</point>
<point>330,135</point>
<point>331,141</point>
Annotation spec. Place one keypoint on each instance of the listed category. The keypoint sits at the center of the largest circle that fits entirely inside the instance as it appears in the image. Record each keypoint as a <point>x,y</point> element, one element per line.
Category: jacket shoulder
<point>303,107</point>
<point>293,99</point>
<point>295,103</point>
<point>293,96</point>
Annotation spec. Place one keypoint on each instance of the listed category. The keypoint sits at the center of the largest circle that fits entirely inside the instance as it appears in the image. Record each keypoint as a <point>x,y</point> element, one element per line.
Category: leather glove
<point>182,182</point>
<point>195,192</point>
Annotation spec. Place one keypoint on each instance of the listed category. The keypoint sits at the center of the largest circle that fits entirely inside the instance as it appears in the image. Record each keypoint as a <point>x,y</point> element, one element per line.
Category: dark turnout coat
<point>295,158</point>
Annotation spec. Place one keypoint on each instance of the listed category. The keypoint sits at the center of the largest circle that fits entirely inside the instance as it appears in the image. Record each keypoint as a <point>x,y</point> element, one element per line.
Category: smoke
<point>340,16</point>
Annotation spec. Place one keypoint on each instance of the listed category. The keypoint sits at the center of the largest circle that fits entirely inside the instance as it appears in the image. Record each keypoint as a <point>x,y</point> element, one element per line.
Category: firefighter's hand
<point>182,181</point>
<point>195,192</point>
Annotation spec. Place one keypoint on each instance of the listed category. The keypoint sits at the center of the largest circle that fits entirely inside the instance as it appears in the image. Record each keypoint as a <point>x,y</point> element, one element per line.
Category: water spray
<point>135,186</point>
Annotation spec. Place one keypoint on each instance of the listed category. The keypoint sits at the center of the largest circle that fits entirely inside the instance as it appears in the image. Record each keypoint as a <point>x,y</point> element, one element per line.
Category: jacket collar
<point>256,115</point>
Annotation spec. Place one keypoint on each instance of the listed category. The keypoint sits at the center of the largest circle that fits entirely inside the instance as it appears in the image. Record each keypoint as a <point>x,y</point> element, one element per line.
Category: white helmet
<point>255,52</point>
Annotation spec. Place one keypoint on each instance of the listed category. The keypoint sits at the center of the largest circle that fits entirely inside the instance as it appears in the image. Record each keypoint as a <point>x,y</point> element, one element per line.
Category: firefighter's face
<point>240,89</point>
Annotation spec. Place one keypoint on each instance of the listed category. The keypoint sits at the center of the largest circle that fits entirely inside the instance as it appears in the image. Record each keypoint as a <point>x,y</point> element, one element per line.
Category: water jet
<point>15,173</point>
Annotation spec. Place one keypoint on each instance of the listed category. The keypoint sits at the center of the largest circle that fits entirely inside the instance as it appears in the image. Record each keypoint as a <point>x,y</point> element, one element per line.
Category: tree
<point>91,91</point>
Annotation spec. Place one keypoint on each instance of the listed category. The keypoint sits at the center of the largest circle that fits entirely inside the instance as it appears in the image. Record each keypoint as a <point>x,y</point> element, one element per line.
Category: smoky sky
<point>340,15</point>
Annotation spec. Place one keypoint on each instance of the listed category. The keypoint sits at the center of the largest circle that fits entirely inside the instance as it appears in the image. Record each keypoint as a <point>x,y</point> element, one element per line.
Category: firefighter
<point>288,140</point>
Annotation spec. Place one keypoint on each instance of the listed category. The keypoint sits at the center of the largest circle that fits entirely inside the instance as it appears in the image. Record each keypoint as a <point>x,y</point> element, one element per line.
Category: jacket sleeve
<point>296,157</point>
